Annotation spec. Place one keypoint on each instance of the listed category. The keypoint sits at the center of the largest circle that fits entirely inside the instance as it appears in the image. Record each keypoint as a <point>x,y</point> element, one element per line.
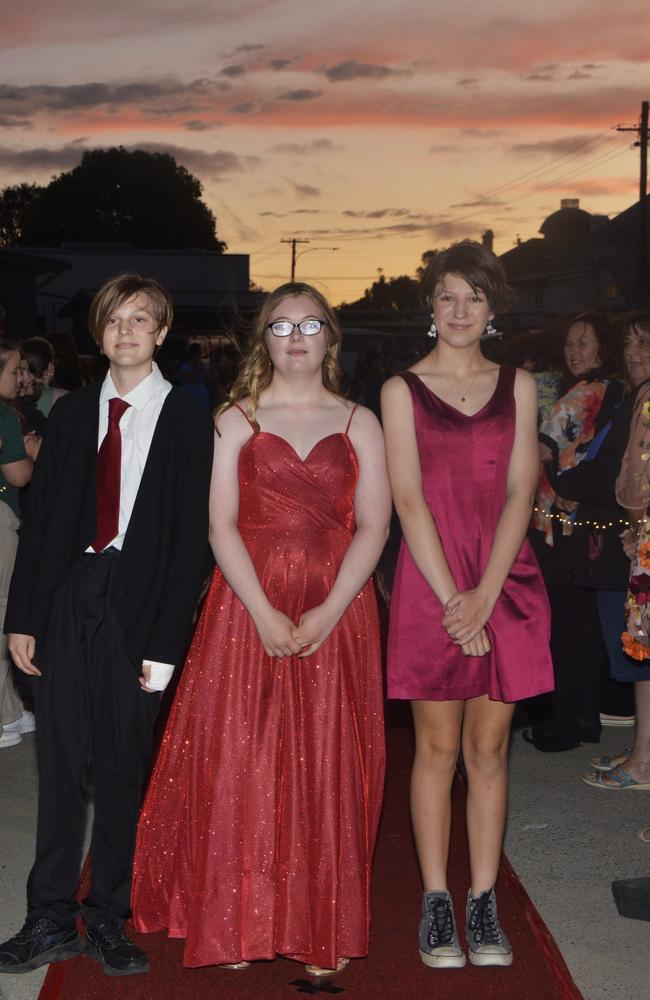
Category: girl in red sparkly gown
<point>257,832</point>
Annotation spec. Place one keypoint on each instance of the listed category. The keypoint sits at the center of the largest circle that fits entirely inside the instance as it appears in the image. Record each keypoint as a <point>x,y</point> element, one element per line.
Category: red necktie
<point>109,468</point>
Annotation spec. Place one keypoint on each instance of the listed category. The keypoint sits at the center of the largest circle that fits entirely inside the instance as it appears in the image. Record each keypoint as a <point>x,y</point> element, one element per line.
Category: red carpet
<point>393,970</point>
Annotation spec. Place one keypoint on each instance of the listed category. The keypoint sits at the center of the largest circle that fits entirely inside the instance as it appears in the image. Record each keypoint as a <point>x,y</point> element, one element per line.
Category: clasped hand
<point>464,619</point>
<point>282,637</point>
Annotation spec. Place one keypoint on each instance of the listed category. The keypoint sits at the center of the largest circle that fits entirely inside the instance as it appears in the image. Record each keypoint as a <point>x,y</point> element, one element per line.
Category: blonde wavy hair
<point>255,371</point>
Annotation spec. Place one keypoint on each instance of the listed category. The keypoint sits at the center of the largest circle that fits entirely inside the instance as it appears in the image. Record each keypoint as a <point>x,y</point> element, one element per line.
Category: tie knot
<point>116,409</point>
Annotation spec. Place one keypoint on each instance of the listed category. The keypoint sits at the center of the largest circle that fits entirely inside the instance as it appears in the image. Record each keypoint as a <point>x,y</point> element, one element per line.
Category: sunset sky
<point>382,128</point>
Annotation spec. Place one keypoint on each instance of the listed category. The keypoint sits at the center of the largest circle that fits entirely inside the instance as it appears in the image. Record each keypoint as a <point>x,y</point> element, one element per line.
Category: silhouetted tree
<point>16,203</point>
<point>392,294</point>
<point>123,196</point>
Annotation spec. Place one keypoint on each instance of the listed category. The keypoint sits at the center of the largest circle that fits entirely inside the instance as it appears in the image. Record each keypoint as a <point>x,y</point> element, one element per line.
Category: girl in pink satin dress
<point>469,623</point>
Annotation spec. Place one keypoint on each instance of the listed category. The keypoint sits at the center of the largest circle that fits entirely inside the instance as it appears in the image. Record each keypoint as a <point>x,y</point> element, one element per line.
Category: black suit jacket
<point>165,556</point>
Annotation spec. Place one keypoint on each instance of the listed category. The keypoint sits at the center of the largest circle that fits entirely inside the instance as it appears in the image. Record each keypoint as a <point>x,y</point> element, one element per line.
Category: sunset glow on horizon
<point>382,129</point>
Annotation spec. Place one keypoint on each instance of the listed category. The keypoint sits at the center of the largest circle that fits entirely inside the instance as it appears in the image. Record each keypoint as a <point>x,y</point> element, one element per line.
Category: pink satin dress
<point>464,462</point>
<point>258,829</point>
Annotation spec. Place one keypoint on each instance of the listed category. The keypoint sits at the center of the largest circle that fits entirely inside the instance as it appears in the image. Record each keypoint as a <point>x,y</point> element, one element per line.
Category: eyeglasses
<point>308,327</point>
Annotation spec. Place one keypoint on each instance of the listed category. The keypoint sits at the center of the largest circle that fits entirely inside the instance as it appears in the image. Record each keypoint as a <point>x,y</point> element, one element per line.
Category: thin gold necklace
<point>465,392</point>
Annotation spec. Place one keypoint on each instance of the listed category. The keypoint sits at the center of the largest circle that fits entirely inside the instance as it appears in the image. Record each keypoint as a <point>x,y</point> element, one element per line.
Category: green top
<point>13,449</point>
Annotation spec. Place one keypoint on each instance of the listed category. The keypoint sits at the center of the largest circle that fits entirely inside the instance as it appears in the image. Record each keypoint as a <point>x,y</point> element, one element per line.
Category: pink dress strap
<point>354,410</point>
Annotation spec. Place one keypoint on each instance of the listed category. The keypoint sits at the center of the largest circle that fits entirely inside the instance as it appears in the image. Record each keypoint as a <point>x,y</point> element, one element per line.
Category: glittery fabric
<point>257,832</point>
<point>464,462</point>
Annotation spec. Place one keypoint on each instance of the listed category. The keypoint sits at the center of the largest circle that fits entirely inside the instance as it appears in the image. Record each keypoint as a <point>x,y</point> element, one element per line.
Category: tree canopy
<point>393,294</point>
<point>119,196</point>
<point>15,204</point>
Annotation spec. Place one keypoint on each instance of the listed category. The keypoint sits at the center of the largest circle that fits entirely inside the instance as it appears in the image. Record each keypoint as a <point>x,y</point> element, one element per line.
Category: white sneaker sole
<point>443,961</point>
<point>486,958</point>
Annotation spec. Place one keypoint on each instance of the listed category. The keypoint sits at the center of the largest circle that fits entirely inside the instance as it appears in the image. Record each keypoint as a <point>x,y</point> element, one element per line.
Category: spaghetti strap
<point>354,410</point>
<point>242,411</point>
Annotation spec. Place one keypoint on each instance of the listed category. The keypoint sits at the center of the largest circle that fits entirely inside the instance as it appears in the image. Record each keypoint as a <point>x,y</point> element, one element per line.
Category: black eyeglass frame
<point>296,326</point>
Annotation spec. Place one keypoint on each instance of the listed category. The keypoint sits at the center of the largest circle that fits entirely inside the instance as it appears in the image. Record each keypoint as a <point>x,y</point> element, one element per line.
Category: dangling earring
<point>433,330</point>
<point>491,332</point>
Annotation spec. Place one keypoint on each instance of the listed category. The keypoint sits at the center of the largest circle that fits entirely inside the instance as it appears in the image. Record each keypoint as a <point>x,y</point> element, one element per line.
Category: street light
<point>294,255</point>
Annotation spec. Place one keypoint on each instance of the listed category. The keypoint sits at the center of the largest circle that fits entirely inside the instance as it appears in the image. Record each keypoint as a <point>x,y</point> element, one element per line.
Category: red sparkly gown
<point>257,831</point>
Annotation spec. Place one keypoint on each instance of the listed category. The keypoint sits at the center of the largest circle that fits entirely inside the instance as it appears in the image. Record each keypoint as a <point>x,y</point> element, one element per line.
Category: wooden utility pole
<point>642,280</point>
<point>293,254</point>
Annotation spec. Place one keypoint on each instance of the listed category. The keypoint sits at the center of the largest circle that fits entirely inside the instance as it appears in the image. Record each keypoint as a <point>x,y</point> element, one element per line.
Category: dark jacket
<point>165,556</point>
<point>597,557</point>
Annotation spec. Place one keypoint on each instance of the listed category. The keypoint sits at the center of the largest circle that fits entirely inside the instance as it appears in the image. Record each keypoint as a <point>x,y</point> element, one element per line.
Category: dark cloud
<point>378,213</point>
<point>468,81</point>
<point>220,163</point>
<point>578,144</point>
<point>21,101</point>
<point>542,78</point>
<point>198,125</point>
<point>250,47</point>
<point>15,122</point>
<point>293,211</point>
<point>245,108</point>
<point>304,148</point>
<point>40,159</point>
<point>480,203</point>
<point>236,69</point>
<point>278,64</point>
<point>305,190</point>
<point>351,69</point>
<point>302,94</point>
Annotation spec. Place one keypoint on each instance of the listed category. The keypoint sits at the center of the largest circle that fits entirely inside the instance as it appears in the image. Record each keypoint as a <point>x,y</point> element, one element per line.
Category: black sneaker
<point>487,943</point>
<point>437,935</point>
<point>107,942</point>
<point>39,941</point>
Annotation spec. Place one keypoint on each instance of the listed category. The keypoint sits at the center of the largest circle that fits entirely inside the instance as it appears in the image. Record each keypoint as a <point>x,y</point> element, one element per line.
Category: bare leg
<point>486,735</point>
<point>437,743</point>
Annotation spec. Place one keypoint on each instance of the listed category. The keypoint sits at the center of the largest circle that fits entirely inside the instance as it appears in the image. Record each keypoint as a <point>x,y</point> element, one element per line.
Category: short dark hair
<point>38,353</point>
<point>120,289</point>
<point>477,265</point>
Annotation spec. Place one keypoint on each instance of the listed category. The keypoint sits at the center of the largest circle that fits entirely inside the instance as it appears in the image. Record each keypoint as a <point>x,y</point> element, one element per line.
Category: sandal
<point>616,780</point>
<point>234,965</point>
<point>317,971</point>
<point>608,762</point>
<point>644,835</point>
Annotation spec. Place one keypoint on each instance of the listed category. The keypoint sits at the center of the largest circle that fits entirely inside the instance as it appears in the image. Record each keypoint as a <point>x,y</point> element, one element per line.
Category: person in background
<point>67,364</point>
<point>571,714</point>
<point>192,375</point>
<point>32,420</point>
<point>630,769</point>
<point>38,353</point>
<point>469,617</point>
<point>17,457</point>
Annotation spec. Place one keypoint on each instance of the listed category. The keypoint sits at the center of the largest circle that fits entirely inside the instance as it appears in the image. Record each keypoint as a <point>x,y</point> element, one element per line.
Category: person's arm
<point>372,506</point>
<point>468,612</point>
<point>405,475</point>
<point>274,628</point>
<point>20,639</point>
<point>188,562</point>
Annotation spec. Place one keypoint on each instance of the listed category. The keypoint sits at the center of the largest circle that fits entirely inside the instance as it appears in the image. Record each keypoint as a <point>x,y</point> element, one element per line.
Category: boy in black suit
<point>112,554</point>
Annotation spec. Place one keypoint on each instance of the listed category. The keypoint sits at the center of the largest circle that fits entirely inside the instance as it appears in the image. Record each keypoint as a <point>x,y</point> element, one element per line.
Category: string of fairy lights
<point>598,525</point>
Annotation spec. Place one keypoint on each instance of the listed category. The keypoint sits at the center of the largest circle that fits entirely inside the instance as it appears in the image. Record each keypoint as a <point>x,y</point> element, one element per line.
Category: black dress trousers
<point>94,731</point>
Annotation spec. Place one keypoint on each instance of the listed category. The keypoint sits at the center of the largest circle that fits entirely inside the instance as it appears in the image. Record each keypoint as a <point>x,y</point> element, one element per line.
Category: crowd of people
<point>513,585</point>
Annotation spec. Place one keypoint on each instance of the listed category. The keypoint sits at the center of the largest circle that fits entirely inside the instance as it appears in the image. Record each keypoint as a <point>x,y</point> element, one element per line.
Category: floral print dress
<point>633,492</point>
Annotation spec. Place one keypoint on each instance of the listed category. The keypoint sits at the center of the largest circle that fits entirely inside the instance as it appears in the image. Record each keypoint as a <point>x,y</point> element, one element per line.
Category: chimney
<point>570,203</point>
<point>487,240</point>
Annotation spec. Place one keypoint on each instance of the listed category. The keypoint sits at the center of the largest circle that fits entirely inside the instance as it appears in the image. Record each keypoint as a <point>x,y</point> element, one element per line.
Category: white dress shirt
<point>137,428</point>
